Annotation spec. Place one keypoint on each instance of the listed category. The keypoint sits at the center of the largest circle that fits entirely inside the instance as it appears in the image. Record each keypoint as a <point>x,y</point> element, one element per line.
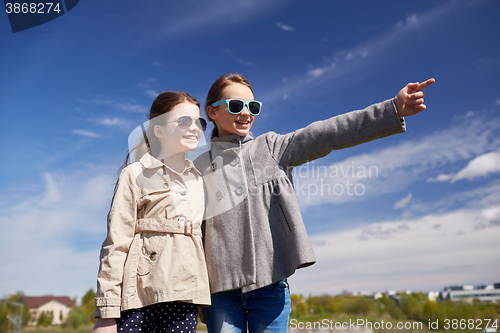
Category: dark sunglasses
<point>185,122</point>
<point>236,106</point>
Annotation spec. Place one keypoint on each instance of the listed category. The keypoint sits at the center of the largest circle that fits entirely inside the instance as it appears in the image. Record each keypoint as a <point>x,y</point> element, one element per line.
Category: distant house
<point>56,306</point>
<point>467,293</point>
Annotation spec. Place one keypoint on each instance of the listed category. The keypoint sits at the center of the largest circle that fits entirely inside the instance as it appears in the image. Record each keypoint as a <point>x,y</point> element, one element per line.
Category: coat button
<point>165,185</point>
<point>220,194</point>
<point>235,161</point>
<point>153,256</point>
<point>181,219</point>
<point>183,192</point>
<point>214,166</point>
<point>240,190</point>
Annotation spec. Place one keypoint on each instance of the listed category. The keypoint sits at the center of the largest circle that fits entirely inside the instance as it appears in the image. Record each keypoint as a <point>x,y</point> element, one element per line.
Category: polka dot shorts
<point>168,317</point>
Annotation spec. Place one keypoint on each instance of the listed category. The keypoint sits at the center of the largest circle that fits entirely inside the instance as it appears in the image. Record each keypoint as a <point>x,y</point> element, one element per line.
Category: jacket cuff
<point>107,307</point>
<point>107,312</point>
<point>401,119</point>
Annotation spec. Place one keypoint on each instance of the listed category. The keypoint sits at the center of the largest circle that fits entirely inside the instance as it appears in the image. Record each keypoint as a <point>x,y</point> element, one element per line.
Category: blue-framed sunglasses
<point>236,106</point>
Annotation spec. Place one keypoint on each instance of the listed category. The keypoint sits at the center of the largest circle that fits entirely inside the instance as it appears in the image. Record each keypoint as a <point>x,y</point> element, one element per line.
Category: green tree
<point>388,305</point>
<point>8,308</point>
<point>88,303</point>
<point>45,319</point>
<point>4,321</point>
<point>331,305</point>
<point>412,307</point>
<point>77,317</point>
<point>299,306</point>
<point>355,305</point>
<point>315,305</point>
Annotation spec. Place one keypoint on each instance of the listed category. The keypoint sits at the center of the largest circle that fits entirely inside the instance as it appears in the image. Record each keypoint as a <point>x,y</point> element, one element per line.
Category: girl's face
<point>173,135</point>
<point>228,123</point>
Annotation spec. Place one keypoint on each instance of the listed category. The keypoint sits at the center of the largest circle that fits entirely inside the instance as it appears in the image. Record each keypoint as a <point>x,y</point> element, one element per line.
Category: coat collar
<point>232,142</point>
<point>150,162</point>
<point>234,138</point>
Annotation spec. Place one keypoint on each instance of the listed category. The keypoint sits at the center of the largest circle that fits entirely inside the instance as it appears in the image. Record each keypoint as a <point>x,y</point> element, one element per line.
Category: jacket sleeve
<point>121,229</point>
<point>343,131</point>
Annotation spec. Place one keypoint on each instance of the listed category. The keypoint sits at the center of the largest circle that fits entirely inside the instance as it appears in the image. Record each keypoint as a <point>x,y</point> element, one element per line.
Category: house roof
<point>37,301</point>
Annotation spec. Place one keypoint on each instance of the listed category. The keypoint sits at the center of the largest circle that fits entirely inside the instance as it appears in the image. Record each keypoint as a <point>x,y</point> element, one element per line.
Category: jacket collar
<point>150,162</point>
<point>234,138</point>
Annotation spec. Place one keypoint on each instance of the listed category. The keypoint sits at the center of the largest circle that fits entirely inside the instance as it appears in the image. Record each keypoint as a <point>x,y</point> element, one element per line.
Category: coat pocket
<point>276,214</point>
<point>153,244</point>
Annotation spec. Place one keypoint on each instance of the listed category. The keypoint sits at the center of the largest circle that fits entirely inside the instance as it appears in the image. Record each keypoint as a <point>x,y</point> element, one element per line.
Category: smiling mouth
<point>243,122</point>
<point>190,137</point>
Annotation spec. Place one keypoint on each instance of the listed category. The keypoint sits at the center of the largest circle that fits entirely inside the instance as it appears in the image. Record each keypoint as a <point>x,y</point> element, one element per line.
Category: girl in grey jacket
<point>254,234</point>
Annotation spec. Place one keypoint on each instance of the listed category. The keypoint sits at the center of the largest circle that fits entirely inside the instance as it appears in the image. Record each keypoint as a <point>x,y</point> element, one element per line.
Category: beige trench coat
<point>153,251</point>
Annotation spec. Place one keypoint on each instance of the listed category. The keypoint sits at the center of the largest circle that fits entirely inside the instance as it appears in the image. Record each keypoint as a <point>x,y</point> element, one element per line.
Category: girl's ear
<point>211,112</point>
<point>158,132</point>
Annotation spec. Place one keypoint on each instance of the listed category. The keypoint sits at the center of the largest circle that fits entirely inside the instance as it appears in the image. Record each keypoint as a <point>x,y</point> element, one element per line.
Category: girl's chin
<point>242,131</point>
<point>191,145</point>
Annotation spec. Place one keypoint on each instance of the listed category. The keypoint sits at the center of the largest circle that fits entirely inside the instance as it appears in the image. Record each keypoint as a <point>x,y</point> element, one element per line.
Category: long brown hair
<point>215,93</point>
<point>162,104</point>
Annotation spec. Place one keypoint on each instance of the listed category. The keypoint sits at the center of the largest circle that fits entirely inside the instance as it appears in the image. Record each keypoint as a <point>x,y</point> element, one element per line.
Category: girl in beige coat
<point>153,275</point>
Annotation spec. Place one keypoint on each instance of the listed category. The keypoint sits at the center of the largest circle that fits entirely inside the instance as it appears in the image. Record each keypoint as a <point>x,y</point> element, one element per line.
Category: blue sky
<point>427,216</point>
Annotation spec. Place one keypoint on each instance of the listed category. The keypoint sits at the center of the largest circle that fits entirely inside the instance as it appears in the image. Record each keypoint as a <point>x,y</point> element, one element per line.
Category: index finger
<point>423,85</point>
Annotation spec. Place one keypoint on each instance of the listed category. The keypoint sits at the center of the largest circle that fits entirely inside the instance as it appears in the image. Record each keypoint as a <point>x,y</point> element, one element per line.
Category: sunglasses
<point>185,122</point>
<point>236,106</point>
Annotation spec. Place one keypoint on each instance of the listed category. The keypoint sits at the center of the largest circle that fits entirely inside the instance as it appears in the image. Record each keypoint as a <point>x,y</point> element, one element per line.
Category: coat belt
<point>171,226</point>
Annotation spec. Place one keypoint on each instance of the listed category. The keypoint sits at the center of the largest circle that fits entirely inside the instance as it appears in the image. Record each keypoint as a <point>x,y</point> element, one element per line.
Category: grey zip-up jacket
<point>254,232</point>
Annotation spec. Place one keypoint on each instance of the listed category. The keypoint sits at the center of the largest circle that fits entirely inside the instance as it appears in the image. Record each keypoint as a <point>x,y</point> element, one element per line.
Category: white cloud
<point>152,93</point>
<point>410,20</point>
<point>57,234</point>
<point>424,254</point>
<point>403,202</point>
<point>131,107</point>
<point>158,64</point>
<point>86,133</point>
<point>120,105</point>
<point>284,27</point>
<point>239,60</point>
<point>51,195</point>
<point>316,72</point>
<point>396,167</point>
<point>218,14</point>
<point>358,58</point>
<point>480,166</point>
<point>484,196</point>
<point>441,178</point>
<point>118,122</point>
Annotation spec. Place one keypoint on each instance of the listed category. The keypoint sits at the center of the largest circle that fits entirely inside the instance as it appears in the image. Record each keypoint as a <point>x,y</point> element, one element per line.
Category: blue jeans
<point>265,309</point>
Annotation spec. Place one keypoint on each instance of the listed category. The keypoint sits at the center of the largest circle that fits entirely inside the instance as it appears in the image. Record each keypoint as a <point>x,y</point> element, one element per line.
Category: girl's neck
<point>176,162</point>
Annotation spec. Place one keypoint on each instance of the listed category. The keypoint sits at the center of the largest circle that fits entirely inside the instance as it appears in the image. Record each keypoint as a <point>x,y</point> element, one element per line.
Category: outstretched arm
<point>410,99</point>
